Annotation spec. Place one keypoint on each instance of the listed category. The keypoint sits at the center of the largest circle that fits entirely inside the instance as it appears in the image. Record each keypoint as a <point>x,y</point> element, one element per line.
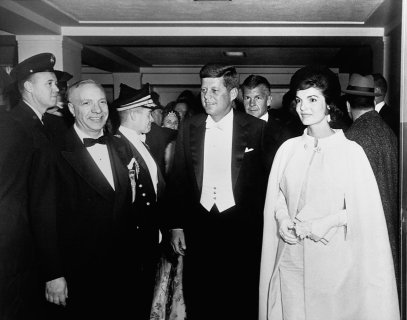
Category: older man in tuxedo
<point>257,101</point>
<point>81,214</point>
<point>216,202</point>
<point>22,133</point>
<point>135,108</point>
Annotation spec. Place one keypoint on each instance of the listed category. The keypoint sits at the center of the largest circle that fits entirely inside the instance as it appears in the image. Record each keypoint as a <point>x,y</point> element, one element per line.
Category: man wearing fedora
<point>380,145</point>
<point>22,134</point>
<point>134,108</point>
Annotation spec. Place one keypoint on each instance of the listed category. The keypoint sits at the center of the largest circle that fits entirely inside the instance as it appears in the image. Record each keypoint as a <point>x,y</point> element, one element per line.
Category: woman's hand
<point>303,229</point>
<point>286,231</point>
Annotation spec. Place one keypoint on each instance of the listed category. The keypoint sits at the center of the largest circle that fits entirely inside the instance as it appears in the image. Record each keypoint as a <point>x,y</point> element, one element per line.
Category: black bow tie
<point>89,142</point>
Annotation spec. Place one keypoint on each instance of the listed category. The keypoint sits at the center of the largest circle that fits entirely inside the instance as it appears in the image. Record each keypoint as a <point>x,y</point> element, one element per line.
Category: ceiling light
<point>234,53</point>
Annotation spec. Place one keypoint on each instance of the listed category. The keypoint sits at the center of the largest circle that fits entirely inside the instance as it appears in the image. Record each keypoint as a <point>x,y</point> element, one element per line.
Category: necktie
<point>89,142</point>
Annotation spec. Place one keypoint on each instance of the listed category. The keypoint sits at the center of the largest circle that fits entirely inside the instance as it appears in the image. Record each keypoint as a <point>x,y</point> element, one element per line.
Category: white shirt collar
<point>83,135</point>
<point>379,106</point>
<point>37,113</point>
<point>265,117</point>
<point>223,124</point>
<point>129,133</point>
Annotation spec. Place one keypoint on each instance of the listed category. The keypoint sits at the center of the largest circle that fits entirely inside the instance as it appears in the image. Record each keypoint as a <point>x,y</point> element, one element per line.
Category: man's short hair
<point>228,73</point>
<point>381,83</point>
<point>360,102</point>
<point>253,81</point>
<point>78,84</point>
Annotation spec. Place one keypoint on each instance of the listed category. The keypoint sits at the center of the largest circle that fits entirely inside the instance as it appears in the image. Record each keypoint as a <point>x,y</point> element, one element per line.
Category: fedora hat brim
<point>361,93</point>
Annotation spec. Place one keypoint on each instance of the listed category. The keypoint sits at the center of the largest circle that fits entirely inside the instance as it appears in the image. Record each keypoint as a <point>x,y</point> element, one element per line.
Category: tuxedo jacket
<point>146,201</point>
<point>391,118</point>
<point>248,170</point>
<point>80,222</point>
<point>277,132</point>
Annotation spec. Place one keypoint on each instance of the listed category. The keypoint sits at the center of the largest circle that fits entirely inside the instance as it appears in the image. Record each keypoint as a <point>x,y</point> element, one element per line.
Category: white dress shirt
<point>137,141</point>
<point>265,117</point>
<point>99,154</point>
<point>379,106</point>
<point>217,171</point>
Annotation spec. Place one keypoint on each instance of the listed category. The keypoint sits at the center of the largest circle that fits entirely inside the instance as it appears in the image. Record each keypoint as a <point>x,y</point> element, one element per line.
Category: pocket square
<point>248,149</point>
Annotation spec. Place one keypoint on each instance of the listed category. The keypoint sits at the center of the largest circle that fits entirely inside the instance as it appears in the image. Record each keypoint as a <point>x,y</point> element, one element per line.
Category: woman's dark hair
<point>320,77</point>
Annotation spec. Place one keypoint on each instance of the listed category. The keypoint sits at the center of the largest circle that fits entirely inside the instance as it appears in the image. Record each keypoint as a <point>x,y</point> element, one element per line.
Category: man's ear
<point>71,109</point>
<point>349,109</point>
<point>269,99</point>
<point>28,86</point>
<point>132,114</point>
<point>233,94</point>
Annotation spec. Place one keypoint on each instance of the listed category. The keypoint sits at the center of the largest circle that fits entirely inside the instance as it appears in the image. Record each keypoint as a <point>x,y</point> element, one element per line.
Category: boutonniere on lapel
<point>248,150</point>
<point>134,170</point>
<point>118,136</point>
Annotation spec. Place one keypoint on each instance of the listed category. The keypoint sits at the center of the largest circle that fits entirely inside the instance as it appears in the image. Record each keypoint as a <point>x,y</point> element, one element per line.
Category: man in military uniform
<point>22,133</point>
<point>134,108</point>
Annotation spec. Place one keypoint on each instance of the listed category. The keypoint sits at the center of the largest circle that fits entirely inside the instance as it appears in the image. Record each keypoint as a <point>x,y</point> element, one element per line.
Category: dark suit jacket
<point>278,130</point>
<point>21,135</point>
<point>380,145</point>
<point>55,125</point>
<point>391,118</point>
<point>82,225</point>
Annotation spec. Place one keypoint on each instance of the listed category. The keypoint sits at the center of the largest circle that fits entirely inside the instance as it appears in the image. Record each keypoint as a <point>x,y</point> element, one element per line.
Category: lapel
<point>239,143</point>
<point>117,155</point>
<point>26,115</point>
<point>197,144</point>
<point>161,183</point>
<point>82,162</point>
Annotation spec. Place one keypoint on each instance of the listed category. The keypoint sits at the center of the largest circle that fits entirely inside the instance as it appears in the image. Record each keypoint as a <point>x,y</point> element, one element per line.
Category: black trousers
<point>221,266</point>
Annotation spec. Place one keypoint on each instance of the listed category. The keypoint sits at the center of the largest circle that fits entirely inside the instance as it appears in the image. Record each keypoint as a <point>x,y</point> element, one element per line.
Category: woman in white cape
<point>326,252</point>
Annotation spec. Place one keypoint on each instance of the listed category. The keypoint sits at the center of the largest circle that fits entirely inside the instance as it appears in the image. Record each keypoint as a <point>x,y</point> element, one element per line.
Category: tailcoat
<point>223,249</point>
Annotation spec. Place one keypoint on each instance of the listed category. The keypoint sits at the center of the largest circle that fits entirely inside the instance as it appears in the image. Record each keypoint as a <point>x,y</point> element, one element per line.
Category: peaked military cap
<point>39,63</point>
<point>63,76</point>
<point>130,98</point>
